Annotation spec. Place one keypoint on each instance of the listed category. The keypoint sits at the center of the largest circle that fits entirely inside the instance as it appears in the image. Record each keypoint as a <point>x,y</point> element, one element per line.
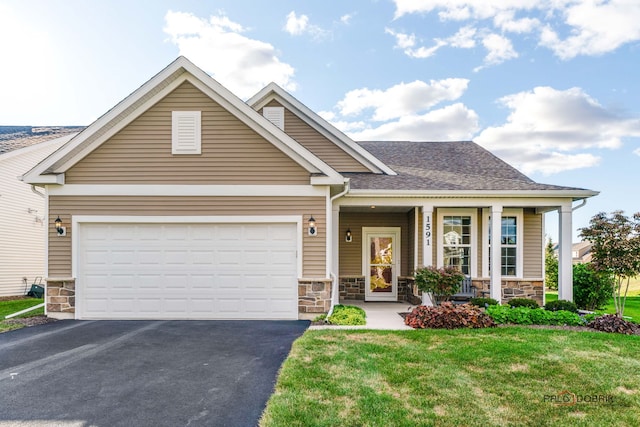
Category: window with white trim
<point>186,132</point>
<point>275,115</point>
<point>511,245</point>
<point>457,239</point>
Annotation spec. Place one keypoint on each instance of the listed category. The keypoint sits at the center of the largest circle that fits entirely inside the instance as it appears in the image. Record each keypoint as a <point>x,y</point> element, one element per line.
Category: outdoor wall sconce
<point>313,230</point>
<point>62,231</point>
<point>347,236</point>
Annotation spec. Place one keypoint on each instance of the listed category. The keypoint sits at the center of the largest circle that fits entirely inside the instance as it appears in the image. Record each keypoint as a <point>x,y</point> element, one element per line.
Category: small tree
<point>441,283</point>
<point>550,266</point>
<point>616,250</point>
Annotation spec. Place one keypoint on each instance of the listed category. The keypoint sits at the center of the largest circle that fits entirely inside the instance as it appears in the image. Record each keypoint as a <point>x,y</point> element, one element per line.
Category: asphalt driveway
<point>142,373</point>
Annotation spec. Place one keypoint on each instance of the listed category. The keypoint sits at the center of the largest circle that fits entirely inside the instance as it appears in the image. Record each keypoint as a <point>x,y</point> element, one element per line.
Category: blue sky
<point>551,86</point>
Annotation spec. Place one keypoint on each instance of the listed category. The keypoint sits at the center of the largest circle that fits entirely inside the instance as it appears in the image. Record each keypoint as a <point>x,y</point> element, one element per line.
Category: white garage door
<point>187,271</point>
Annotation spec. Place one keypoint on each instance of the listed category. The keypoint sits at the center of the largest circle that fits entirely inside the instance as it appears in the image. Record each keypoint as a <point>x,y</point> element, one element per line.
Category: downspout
<point>33,188</point>
<point>335,287</point>
<point>574,208</point>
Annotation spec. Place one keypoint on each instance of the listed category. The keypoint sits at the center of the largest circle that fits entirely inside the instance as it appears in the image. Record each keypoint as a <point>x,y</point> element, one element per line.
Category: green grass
<point>482,377</point>
<point>13,306</point>
<point>631,307</point>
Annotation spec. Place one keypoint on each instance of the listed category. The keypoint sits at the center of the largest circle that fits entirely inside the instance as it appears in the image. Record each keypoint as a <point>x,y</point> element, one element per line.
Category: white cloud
<point>548,130</point>
<point>636,151</point>
<point>299,25</point>
<point>593,27</point>
<point>464,38</point>
<point>346,19</point>
<point>401,99</point>
<point>217,45</point>
<point>453,122</point>
<point>296,25</point>
<point>499,50</point>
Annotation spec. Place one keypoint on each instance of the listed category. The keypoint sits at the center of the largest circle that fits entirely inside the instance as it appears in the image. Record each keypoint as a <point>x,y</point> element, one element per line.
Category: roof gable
<point>52,169</point>
<point>274,92</point>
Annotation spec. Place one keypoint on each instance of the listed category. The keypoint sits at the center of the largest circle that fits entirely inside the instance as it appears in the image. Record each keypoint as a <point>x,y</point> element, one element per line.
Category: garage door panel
<point>183,271</point>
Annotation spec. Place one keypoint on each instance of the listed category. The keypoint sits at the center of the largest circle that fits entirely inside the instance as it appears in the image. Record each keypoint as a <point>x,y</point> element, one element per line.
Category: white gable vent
<point>275,115</point>
<point>185,132</point>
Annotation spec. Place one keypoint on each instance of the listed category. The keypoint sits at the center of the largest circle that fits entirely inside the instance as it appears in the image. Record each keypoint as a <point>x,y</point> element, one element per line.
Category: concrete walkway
<point>380,315</point>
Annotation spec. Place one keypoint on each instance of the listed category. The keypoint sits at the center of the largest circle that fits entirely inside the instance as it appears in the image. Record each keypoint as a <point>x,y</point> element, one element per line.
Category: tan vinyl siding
<point>232,153</point>
<point>533,244</point>
<point>313,141</point>
<point>313,248</point>
<point>351,253</point>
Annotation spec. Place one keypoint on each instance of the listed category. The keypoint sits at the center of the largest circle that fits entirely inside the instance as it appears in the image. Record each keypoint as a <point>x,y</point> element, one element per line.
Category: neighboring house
<point>22,211</point>
<point>185,202</point>
<point>581,252</point>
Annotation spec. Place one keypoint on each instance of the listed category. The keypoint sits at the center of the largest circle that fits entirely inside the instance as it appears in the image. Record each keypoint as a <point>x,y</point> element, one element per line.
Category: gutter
<point>575,208</point>
<point>335,289</point>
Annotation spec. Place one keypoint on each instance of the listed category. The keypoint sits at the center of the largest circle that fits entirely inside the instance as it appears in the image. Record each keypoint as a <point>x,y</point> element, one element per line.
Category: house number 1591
<point>427,229</point>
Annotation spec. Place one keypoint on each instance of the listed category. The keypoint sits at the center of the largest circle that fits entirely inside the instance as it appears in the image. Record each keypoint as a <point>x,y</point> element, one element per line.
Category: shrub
<point>561,304</point>
<point>482,302</point>
<point>591,289</point>
<point>347,315</point>
<point>441,283</point>
<point>523,302</point>
<point>533,316</point>
<point>613,323</point>
<point>448,316</point>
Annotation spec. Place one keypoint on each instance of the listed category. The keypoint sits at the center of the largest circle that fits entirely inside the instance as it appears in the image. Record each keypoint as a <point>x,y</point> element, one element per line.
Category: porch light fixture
<point>347,236</point>
<point>62,231</point>
<point>313,230</point>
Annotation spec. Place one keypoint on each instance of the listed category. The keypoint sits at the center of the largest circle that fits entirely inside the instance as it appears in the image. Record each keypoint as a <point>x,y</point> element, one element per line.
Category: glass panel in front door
<point>381,264</point>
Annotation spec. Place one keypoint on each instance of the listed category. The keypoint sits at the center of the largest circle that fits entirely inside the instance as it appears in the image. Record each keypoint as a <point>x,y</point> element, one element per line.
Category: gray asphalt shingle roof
<point>436,166</point>
<point>16,137</point>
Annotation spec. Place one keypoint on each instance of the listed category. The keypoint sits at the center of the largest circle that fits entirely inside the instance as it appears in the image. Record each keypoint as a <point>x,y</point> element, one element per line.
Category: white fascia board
<point>106,118</point>
<point>48,179</point>
<point>574,194</point>
<point>111,122</point>
<point>322,126</point>
<point>452,202</point>
<point>186,190</point>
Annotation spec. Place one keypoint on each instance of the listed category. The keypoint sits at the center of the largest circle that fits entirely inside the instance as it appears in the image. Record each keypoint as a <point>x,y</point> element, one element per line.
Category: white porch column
<point>496,253</point>
<point>565,265</point>
<point>427,244</point>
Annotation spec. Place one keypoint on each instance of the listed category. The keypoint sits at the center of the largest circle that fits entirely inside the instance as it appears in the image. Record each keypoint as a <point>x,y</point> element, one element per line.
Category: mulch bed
<point>31,321</point>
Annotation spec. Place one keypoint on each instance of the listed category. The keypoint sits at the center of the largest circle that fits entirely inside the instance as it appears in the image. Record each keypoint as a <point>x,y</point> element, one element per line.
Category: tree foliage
<point>550,266</point>
<point>441,283</point>
<point>616,250</point>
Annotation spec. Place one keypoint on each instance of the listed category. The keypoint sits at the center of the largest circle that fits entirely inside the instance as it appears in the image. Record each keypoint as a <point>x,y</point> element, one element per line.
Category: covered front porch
<point>379,242</point>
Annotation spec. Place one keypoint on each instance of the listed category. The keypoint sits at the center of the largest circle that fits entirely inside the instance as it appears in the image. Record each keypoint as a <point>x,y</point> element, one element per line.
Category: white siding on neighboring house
<point>22,240</point>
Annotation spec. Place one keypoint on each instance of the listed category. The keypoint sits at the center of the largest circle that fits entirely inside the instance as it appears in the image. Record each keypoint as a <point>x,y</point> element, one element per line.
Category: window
<point>275,115</point>
<point>185,132</point>
<point>456,239</point>
<point>510,243</point>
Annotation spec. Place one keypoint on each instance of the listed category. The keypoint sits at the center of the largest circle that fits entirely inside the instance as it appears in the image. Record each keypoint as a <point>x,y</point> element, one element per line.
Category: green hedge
<point>533,316</point>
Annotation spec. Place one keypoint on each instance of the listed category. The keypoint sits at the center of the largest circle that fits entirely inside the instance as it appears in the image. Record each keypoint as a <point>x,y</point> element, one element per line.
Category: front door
<point>381,256</point>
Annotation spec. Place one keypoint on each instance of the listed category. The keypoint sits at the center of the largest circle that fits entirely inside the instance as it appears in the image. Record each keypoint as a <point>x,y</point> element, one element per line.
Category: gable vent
<point>185,132</point>
<point>275,115</point>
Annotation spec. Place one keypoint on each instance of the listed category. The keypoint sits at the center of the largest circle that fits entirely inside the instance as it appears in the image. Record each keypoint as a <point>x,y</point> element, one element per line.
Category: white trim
<point>273,91</point>
<point>519,214</point>
<point>78,220</point>
<point>473,254</point>
<point>565,262</point>
<point>416,235</point>
<point>396,233</point>
<point>455,201</point>
<point>427,240</point>
<point>185,190</point>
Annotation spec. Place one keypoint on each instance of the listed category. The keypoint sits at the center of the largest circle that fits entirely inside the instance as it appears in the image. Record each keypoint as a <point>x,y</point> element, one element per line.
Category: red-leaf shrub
<point>448,316</point>
<point>613,323</point>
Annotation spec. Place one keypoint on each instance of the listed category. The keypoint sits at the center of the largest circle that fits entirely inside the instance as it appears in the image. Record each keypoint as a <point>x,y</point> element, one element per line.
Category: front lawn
<point>13,306</point>
<point>631,307</point>
<point>498,376</point>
